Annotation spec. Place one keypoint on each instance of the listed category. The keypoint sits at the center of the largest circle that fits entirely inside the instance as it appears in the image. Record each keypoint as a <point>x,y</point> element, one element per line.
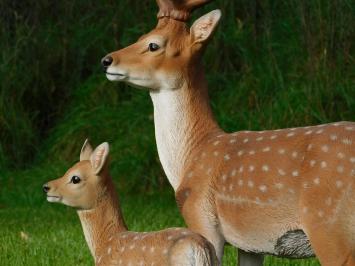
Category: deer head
<point>162,58</point>
<point>83,184</point>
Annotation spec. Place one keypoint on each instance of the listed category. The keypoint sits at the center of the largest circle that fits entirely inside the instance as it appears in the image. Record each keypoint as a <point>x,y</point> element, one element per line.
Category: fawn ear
<point>202,29</point>
<point>99,157</point>
<point>86,151</point>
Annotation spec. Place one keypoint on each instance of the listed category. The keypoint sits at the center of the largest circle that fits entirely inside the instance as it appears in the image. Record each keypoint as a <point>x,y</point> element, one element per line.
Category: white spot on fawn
<point>323,164</point>
<point>263,188</point>
<point>339,183</point>
<point>240,182</point>
<point>312,163</point>
<point>295,173</point>
<point>316,181</point>
<point>259,138</point>
<point>340,169</point>
<point>266,149</point>
<point>227,157</point>
<point>325,148</point>
<point>281,172</point>
<point>279,185</point>
<point>281,151</point>
<point>250,184</point>
<point>341,155</point>
<point>251,168</point>
<point>333,137</point>
<point>265,168</point>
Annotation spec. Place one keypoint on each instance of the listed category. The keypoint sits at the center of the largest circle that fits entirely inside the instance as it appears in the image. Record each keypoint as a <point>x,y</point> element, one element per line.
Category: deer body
<point>277,192</point>
<point>109,241</point>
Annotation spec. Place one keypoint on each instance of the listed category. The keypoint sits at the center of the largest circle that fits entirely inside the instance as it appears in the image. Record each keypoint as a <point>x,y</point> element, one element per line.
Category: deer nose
<point>46,188</point>
<point>106,61</point>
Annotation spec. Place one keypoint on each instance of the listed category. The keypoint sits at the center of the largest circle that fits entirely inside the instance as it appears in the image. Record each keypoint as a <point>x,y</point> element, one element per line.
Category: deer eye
<point>75,179</point>
<point>153,47</point>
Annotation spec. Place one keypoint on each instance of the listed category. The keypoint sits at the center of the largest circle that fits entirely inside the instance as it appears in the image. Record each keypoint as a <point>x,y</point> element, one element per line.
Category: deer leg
<point>249,259</point>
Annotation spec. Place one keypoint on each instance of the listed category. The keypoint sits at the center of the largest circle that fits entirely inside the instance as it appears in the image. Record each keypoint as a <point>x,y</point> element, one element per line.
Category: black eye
<point>153,47</point>
<point>75,179</point>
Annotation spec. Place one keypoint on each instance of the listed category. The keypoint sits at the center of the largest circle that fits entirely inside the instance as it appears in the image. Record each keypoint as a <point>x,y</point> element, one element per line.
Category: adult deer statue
<point>88,187</point>
<point>287,192</point>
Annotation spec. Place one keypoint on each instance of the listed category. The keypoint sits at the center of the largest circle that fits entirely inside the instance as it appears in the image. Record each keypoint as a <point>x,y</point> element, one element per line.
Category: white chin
<point>112,77</point>
<point>53,199</point>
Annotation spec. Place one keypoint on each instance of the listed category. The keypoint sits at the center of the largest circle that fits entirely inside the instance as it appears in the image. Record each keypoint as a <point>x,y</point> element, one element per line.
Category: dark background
<point>271,64</point>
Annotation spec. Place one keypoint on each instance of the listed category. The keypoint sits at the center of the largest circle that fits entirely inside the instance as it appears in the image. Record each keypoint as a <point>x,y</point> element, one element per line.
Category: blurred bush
<point>271,64</point>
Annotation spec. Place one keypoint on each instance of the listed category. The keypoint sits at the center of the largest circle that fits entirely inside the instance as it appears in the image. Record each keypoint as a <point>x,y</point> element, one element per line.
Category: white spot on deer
<point>273,137</point>
<point>165,251</point>
<point>251,152</point>
<point>281,151</point>
<point>233,141</point>
<point>333,137</point>
<point>320,213</point>
<point>224,178</point>
<point>245,140</point>
<point>240,153</point>
<point>190,174</point>
<point>316,181</point>
<point>99,259</point>
<point>305,185</point>
<point>339,183</point>
<point>347,141</point>
<point>325,148</point>
<point>216,142</point>
<point>292,191</point>
<point>233,173</point>
<point>251,168</point>
<point>309,147</point>
<point>308,132</point>
<point>259,138</point>
<point>263,188</point>
<point>295,173</point>
<point>291,134</point>
<point>241,169</point>
<point>281,172</point>
<point>109,250</point>
<point>350,128</point>
<point>131,246</point>
<point>152,249</point>
<point>312,163</point>
<point>294,154</point>
<point>230,187</point>
<point>170,237</point>
<point>265,168</point>
<point>209,170</point>
<point>240,182</point>
<point>215,153</point>
<point>328,201</point>
<point>323,164</point>
<point>352,159</point>
<point>340,169</point>
<point>319,131</point>
<point>266,149</point>
<point>304,209</point>
<point>341,155</point>
<point>227,157</point>
<point>122,249</point>
<point>250,184</point>
<point>279,185</point>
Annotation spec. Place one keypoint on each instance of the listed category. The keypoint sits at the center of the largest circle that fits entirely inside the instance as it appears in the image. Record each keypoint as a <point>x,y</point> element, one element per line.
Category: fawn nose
<point>46,188</point>
<point>106,61</point>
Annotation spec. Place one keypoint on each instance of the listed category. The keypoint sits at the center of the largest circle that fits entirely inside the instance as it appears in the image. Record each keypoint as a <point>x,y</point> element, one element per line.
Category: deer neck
<point>103,221</point>
<point>183,120</point>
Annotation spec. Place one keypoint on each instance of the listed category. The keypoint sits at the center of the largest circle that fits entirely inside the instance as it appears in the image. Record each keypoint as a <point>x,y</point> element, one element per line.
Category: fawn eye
<point>75,179</point>
<point>153,47</point>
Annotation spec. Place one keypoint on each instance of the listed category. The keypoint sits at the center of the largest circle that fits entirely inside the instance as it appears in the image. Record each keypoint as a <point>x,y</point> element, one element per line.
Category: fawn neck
<point>103,221</point>
<point>183,121</point>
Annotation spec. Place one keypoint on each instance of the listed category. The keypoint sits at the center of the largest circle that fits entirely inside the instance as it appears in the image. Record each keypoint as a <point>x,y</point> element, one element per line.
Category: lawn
<point>35,232</point>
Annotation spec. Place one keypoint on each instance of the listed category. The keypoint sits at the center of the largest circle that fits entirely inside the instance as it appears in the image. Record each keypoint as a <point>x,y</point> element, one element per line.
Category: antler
<point>178,9</point>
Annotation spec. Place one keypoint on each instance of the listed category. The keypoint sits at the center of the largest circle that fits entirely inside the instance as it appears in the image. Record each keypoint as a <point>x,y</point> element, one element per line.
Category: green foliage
<point>271,64</point>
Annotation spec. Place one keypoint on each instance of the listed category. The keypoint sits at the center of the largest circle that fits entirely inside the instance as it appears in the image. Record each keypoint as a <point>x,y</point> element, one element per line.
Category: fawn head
<point>161,58</point>
<point>83,184</point>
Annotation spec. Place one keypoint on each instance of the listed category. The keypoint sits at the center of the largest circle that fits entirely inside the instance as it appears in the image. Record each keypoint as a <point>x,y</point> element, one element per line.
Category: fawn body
<point>88,187</point>
<point>277,192</point>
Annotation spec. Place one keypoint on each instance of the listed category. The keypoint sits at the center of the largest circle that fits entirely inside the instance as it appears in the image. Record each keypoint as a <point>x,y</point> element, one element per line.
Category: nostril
<point>107,61</point>
<point>46,188</point>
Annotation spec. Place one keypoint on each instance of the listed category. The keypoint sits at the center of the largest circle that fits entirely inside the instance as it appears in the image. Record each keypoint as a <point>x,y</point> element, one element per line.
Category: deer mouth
<point>115,76</point>
<point>51,198</point>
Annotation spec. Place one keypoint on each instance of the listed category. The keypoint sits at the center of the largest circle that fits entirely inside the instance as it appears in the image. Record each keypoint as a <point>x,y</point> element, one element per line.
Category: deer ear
<point>203,27</point>
<point>86,151</point>
<point>99,157</point>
